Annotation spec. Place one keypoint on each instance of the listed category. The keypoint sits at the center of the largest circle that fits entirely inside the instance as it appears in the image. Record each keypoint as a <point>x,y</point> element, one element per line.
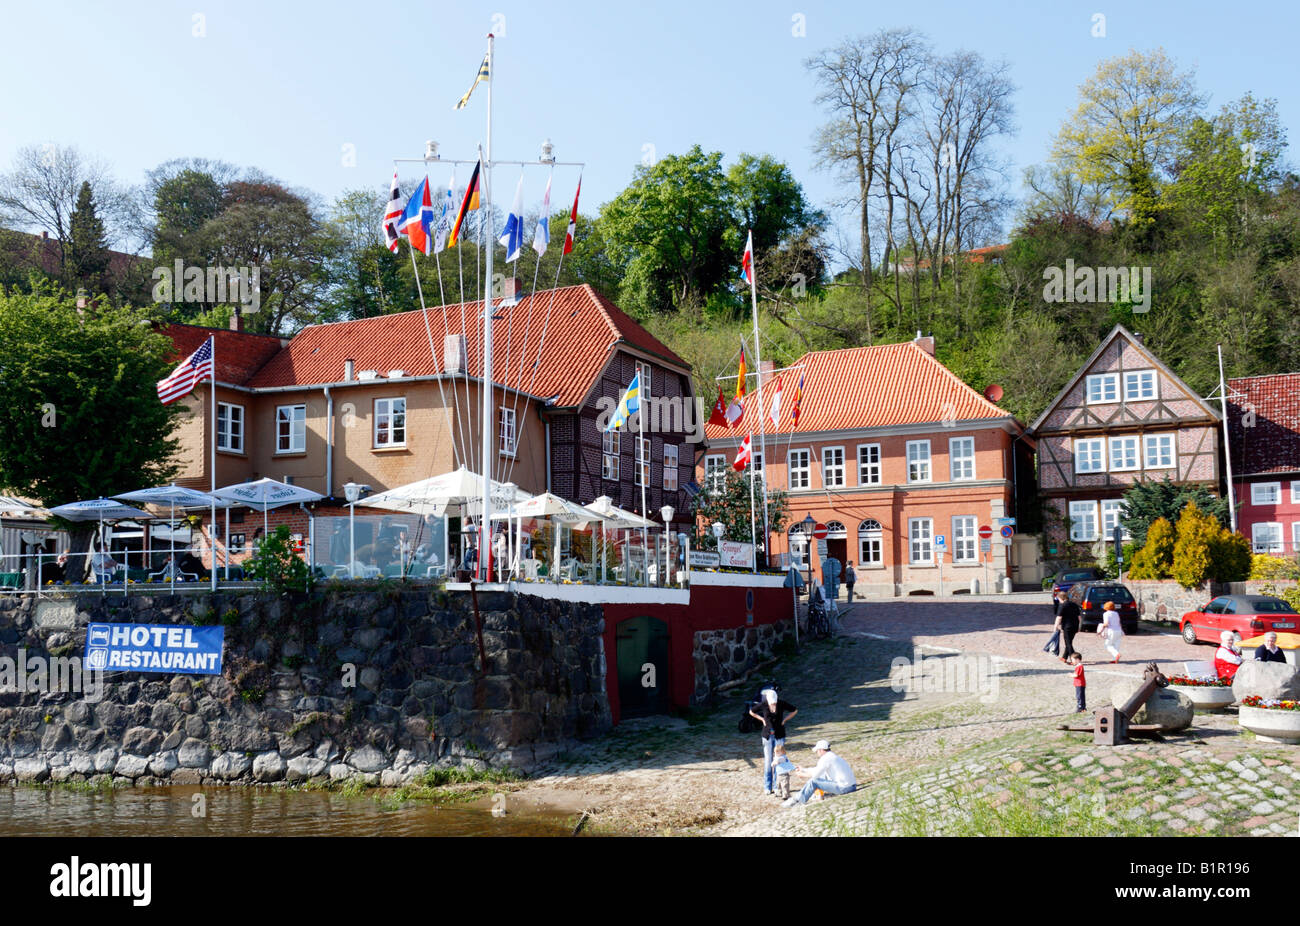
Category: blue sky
<point>285,86</point>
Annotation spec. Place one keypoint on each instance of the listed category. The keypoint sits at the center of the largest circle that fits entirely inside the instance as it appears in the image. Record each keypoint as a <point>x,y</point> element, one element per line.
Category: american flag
<point>193,370</point>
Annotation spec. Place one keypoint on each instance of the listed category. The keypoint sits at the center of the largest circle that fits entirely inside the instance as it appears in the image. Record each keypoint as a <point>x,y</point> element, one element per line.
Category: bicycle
<point>819,622</point>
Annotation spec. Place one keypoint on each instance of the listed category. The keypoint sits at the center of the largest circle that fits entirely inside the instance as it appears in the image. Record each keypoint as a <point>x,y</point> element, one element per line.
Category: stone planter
<point>1272,726</point>
<point>1207,698</point>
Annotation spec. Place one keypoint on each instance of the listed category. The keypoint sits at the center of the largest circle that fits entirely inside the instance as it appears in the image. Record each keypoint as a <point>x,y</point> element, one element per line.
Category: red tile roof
<point>240,354</point>
<point>584,327</point>
<point>866,387</point>
<point>1272,443</point>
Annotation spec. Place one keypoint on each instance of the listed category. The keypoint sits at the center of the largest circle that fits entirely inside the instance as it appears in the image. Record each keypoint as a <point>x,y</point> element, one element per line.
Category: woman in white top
<point>1110,630</point>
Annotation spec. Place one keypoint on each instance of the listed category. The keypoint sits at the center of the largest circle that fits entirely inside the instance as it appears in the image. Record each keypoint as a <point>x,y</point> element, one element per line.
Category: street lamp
<point>353,492</point>
<point>809,524</point>
<point>666,512</point>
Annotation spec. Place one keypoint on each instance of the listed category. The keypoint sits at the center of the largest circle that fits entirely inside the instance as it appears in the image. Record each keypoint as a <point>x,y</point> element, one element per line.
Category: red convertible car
<point>1248,615</point>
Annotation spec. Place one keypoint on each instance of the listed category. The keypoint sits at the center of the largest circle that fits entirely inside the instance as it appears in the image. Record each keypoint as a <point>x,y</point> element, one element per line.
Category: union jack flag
<point>192,371</point>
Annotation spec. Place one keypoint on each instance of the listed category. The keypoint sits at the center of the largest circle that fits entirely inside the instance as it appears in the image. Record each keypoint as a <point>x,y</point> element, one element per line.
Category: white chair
<point>531,567</point>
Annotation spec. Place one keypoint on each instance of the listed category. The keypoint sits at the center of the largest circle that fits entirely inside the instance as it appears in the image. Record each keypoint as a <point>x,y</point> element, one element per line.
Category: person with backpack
<point>773,713</point>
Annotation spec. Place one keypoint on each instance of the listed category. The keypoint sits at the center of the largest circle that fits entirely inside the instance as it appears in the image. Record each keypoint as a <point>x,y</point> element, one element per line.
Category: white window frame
<point>670,467</point>
<point>1088,449</point>
<point>920,541</point>
<point>915,462</point>
<point>642,463</point>
<point>1256,496</point>
<point>756,465</point>
<point>1295,537</point>
<point>1083,514</point>
<point>297,422</point>
<point>871,535</point>
<point>1145,379</point>
<point>803,470</point>
<point>644,372</point>
<point>1157,462</point>
<point>611,445</point>
<point>1105,382</point>
<point>965,539</point>
<point>1295,491</point>
<point>869,469</point>
<point>835,470</point>
<point>1276,544</point>
<point>234,435</point>
<point>507,428</point>
<point>1111,512</point>
<point>1121,442</point>
<point>390,413</point>
<point>799,548</point>
<point>958,465</point>
<point>715,472</point>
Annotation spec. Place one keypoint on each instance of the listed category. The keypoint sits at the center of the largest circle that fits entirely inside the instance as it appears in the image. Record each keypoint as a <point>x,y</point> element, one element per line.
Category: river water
<point>171,811</point>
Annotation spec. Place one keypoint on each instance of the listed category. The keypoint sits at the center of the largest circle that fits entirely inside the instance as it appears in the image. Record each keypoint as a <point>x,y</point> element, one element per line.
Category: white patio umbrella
<point>618,519</point>
<point>265,494</point>
<point>559,510</point>
<point>100,509</point>
<point>174,497</point>
<point>18,506</point>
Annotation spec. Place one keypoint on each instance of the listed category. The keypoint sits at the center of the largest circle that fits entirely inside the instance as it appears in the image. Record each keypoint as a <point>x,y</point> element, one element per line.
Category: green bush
<point>1206,550</point>
<point>1156,558</point>
<point>277,566</point>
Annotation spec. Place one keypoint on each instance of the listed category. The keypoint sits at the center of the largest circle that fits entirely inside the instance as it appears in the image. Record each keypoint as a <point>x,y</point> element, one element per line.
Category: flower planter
<point>1270,725</point>
<point>1207,698</point>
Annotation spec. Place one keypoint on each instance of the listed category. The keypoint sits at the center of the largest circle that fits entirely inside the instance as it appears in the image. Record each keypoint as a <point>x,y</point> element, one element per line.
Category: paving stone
<point>1081,760</point>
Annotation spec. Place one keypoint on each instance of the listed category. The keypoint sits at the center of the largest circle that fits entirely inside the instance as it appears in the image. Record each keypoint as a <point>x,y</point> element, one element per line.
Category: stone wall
<point>1166,600</point>
<point>722,656</point>
<point>283,707</point>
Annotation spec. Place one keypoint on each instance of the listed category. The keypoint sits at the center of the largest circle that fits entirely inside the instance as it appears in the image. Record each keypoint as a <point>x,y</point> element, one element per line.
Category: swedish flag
<point>484,72</point>
<point>627,406</point>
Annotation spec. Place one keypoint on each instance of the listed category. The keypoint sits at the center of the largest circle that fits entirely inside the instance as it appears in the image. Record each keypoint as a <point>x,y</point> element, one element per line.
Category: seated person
<point>1227,659</point>
<point>831,775</point>
<point>55,571</point>
<point>189,564</point>
<point>1269,651</point>
<point>103,566</point>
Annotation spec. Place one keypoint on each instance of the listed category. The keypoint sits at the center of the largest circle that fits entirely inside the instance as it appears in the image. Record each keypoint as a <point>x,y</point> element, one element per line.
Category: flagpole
<point>750,463</point>
<point>762,429</point>
<point>485,551</point>
<point>641,474</point>
<point>212,522</point>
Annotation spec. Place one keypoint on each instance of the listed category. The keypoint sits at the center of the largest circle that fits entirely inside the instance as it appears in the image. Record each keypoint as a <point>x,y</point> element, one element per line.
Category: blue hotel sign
<point>168,648</point>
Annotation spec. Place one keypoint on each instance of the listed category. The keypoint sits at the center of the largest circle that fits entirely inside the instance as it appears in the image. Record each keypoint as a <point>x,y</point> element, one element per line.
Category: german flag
<point>468,204</point>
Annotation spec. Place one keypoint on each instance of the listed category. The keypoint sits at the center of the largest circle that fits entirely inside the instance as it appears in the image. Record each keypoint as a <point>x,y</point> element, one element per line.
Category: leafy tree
<point>1230,555</point>
<point>367,278</point>
<point>88,255</point>
<point>1156,558</point>
<point>79,411</point>
<point>277,565</point>
<point>1145,502</point>
<point>730,505</point>
<point>1193,550</point>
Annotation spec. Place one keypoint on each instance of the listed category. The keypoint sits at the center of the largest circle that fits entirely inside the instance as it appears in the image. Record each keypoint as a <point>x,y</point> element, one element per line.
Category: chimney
<point>765,371</point>
<point>453,353</point>
<point>349,367</point>
<point>45,235</point>
<point>236,321</point>
<point>513,290</point>
<point>925,343</point>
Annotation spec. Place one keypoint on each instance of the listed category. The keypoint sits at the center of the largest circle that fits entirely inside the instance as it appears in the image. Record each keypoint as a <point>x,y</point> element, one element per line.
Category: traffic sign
<point>819,532</point>
<point>1007,531</point>
<point>986,546</point>
<point>985,532</point>
<point>940,541</point>
<point>1001,521</point>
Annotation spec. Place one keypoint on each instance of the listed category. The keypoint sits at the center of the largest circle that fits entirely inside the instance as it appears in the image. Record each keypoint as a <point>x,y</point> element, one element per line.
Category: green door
<point>642,666</point>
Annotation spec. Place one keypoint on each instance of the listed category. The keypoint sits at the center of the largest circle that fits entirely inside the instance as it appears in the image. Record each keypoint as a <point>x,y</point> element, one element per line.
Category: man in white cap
<point>831,775</point>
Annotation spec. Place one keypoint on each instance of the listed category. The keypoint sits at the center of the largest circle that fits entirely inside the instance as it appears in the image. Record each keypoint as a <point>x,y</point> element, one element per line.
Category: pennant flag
<point>627,406</point>
<point>512,236</point>
<point>740,377</point>
<point>468,204</point>
<point>735,411</point>
<point>573,220</point>
<point>776,405</point>
<point>193,370</point>
<point>417,218</point>
<point>392,214</point>
<point>484,72</point>
<point>719,416</point>
<point>443,227</point>
<point>747,260</point>
<point>743,458</point>
<point>798,401</point>
<point>542,234</point>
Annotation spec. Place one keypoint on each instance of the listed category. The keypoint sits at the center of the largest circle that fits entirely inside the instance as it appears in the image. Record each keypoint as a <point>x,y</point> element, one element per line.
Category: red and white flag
<point>392,215</point>
<point>747,260</point>
<point>573,220</point>
<point>193,370</point>
<point>776,405</point>
<point>743,457</point>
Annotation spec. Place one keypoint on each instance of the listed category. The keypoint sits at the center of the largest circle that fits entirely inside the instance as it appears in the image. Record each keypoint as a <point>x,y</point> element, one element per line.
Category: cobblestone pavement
<point>976,752</point>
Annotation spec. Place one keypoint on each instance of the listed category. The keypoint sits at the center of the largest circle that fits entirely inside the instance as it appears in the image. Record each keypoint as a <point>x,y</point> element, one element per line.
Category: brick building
<point>1264,446</point>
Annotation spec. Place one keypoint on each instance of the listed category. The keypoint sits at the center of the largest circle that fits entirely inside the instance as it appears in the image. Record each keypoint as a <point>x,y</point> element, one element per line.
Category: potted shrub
<point>1206,692</point>
<point>1272,721</point>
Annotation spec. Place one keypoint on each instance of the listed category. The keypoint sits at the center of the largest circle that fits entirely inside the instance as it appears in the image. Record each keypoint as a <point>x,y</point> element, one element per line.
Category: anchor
<point>1112,726</point>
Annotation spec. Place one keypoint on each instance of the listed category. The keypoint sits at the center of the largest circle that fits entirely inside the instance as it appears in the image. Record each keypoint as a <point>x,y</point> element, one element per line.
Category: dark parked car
<point>1091,598</point>
<point>1248,615</point>
<point>1067,577</point>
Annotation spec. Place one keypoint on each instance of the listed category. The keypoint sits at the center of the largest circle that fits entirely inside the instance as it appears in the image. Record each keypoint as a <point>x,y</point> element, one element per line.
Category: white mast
<point>1227,446</point>
<point>485,545</point>
<point>762,428</point>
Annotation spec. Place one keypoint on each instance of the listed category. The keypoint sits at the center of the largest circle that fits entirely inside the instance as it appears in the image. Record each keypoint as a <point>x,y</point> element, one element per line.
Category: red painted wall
<point>712,607</point>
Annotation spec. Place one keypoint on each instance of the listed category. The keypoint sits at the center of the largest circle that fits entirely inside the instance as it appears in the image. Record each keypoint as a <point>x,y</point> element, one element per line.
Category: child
<point>781,768</point>
<point>1080,685</point>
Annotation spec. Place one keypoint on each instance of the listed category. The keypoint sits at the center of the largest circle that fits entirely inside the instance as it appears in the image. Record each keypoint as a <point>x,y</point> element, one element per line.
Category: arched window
<point>870,543</point>
<point>835,530</point>
<point>798,546</point>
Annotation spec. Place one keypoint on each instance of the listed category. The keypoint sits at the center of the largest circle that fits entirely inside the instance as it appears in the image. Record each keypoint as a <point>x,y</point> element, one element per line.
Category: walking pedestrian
<point>1068,619</point>
<point>1080,684</point>
<point>849,578</point>
<point>1110,630</point>
<point>774,714</point>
